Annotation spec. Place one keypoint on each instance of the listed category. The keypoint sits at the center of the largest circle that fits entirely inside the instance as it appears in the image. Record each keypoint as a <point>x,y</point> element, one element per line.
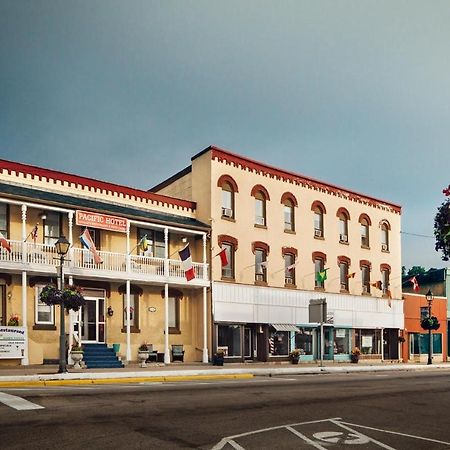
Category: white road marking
<point>18,403</point>
<point>306,438</point>
<point>394,432</point>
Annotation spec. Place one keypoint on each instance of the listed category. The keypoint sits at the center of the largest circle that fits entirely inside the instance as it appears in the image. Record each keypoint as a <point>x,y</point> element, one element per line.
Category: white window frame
<point>37,303</point>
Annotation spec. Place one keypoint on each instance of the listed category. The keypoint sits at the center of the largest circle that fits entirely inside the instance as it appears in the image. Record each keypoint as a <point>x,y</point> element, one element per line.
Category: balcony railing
<point>37,257</point>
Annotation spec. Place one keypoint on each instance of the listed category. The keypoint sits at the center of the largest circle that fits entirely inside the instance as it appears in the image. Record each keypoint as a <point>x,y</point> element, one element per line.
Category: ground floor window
<point>419,343</point>
<point>368,341</point>
<point>229,339</point>
<point>279,343</point>
<point>341,341</point>
<point>304,341</point>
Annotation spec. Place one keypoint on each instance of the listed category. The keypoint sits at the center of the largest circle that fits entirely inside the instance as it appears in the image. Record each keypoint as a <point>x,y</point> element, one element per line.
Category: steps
<point>99,356</point>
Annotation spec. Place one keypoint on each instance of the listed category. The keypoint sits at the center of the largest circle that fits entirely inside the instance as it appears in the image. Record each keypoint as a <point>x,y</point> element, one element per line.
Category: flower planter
<point>77,357</point>
<point>354,358</point>
<point>294,360</point>
<point>218,361</point>
<point>142,357</point>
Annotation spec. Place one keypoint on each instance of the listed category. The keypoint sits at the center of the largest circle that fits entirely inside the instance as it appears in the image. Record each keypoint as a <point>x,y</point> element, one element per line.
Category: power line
<point>419,235</point>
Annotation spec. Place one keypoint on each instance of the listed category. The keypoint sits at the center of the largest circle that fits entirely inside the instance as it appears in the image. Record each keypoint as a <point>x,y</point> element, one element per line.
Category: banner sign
<point>102,221</point>
<point>12,342</point>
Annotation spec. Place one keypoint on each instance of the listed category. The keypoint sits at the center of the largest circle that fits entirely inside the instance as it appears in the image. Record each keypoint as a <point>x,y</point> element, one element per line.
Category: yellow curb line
<point>165,379</point>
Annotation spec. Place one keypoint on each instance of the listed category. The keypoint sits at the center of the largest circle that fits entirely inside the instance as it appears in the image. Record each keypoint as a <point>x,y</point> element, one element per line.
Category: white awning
<point>285,327</point>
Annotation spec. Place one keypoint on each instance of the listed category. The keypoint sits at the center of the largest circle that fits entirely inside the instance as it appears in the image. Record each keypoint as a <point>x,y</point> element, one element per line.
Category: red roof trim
<point>298,179</point>
<point>92,184</point>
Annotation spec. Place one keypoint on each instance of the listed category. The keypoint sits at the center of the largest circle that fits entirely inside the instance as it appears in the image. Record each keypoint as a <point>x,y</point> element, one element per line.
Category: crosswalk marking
<point>18,403</point>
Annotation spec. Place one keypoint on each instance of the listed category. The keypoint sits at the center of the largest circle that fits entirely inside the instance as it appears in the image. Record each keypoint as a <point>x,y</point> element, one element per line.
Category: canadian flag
<point>415,284</point>
<point>4,243</point>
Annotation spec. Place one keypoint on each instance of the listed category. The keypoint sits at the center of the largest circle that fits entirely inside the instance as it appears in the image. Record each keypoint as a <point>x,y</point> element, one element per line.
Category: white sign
<point>366,341</point>
<point>12,342</point>
<point>340,332</point>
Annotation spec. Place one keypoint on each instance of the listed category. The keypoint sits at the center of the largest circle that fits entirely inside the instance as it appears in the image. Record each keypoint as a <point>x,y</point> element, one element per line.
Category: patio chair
<point>177,353</point>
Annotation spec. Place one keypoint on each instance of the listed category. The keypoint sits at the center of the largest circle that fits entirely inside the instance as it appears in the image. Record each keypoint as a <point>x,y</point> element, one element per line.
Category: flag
<point>88,243</point>
<point>223,257</point>
<point>4,243</point>
<point>377,285</point>
<point>143,243</point>
<point>263,264</point>
<point>291,267</point>
<point>186,263</point>
<point>34,233</point>
<point>321,276</point>
<point>415,284</point>
<point>351,275</point>
<point>389,298</point>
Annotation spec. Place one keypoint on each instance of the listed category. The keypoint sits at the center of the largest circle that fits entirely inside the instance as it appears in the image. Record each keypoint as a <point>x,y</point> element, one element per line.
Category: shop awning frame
<point>285,327</point>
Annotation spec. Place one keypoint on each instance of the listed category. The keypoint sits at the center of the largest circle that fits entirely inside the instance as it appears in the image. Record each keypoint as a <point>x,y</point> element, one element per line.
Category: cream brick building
<point>279,230</point>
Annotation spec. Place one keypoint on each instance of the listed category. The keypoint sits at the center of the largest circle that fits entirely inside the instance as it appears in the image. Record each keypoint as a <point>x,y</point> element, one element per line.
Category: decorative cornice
<point>260,188</point>
<point>260,245</point>
<point>289,196</point>
<point>343,259</point>
<point>344,212</point>
<point>289,251</point>
<point>232,159</point>
<point>366,217</point>
<point>227,179</point>
<point>319,255</point>
<point>365,262</point>
<point>385,266</point>
<point>226,238</point>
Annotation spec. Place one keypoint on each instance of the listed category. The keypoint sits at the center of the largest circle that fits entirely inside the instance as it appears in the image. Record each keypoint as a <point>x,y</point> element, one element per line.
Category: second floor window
<point>260,265</point>
<point>365,279</point>
<point>4,219</point>
<point>155,243</point>
<point>52,227</point>
<point>260,209</point>
<point>320,273</point>
<point>343,271</point>
<point>228,269</point>
<point>289,269</point>
<point>288,209</point>
<point>385,281</point>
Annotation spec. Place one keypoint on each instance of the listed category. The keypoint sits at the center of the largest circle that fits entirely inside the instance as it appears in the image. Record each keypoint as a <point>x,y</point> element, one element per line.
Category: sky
<point>352,93</point>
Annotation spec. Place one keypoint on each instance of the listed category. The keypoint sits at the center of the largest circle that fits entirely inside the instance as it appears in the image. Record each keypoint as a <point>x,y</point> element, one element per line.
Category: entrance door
<point>248,343</point>
<point>92,320</point>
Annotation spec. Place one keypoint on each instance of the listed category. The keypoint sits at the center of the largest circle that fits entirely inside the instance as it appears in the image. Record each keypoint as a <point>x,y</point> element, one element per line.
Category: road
<point>386,410</point>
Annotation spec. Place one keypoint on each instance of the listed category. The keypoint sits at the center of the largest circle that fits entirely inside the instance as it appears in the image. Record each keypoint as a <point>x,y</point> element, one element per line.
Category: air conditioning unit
<point>288,281</point>
<point>227,212</point>
<point>259,276</point>
<point>365,289</point>
<point>364,241</point>
<point>343,238</point>
<point>317,233</point>
<point>344,287</point>
<point>384,247</point>
<point>259,220</point>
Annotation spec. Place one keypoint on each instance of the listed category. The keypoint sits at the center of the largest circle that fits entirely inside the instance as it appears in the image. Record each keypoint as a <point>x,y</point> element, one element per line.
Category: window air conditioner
<point>227,212</point>
<point>343,238</point>
<point>317,233</point>
<point>365,289</point>
<point>260,220</point>
<point>288,281</point>
<point>384,247</point>
<point>344,287</point>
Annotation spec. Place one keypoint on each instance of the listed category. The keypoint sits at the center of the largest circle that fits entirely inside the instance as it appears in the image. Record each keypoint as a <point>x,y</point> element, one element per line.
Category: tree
<point>442,227</point>
<point>416,270</point>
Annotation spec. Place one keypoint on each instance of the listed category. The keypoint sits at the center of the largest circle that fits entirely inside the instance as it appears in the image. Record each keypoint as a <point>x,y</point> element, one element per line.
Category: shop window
<point>44,314</point>
<point>4,216</point>
<point>368,341</point>
<point>419,343</point>
<point>304,341</point>
<point>229,340</point>
<point>279,343</point>
<point>155,243</point>
<point>289,269</point>
<point>134,312</point>
<point>341,341</point>
<point>52,227</point>
<point>228,269</point>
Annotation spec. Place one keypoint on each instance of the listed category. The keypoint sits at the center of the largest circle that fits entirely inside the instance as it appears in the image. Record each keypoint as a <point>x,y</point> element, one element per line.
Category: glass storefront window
<point>341,341</point>
<point>368,341</point>
<point>279,343</point>
<point>229,339</point>
<point>304,341</point>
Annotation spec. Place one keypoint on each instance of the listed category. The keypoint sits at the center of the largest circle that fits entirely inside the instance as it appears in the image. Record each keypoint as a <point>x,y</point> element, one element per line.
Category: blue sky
<point>353,93</point>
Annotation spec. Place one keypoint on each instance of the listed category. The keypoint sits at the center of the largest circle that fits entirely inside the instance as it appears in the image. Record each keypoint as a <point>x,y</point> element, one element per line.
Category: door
<point>92,320</point>
<point>249,351</point>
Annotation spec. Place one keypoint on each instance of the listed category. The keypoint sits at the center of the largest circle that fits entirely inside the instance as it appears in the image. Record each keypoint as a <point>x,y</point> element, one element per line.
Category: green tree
<point>442,227</point>
<point>416,270</point>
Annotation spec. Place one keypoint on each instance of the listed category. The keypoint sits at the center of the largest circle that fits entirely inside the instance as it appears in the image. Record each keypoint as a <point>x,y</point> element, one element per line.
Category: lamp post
<point>429,297</point>
<point>62,247</point>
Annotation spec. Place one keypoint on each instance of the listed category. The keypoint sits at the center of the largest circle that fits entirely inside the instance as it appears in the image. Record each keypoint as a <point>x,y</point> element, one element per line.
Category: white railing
<point>112,262</point>
<point>147,265</point>
<point>176,271</point>
<point>15,256</point>
<point>41,254</point>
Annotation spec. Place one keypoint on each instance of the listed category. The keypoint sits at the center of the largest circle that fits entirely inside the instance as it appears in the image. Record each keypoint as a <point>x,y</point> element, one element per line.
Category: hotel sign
<point>12,342</point>
<point>102,221</point>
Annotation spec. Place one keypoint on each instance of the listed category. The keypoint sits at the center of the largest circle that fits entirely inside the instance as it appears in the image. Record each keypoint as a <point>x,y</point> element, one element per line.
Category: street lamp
<point>429,297</point>
<point>62,247</point>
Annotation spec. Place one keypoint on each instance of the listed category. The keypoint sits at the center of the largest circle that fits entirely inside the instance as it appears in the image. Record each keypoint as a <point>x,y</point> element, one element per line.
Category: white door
<point>91,320</point>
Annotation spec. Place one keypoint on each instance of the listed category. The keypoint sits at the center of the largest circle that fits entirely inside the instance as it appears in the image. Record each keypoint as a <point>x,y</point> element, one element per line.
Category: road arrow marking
<point>18,403</point>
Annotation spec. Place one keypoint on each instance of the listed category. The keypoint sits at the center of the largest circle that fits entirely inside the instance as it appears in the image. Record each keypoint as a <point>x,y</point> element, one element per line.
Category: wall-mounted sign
<point>151,309</point>
<point>12,342</point>
<point>102,221</point>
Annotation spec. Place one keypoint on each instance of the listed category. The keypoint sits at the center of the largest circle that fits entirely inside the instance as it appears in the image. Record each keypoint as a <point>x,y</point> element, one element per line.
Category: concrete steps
<point>99,356</point>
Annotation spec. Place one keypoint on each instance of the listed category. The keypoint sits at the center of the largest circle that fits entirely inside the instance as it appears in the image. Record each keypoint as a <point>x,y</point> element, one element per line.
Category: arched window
<point>261,196</point>
<point>290,256</point>
<point>365,267</point>
<point>365,223</point>
<point>343,217</point>
<point>385,275</point>
<point>229,188</point>
<point>319,210</point>
<point>260,250</point>
<point>289,203</point>
<point>319,260</point>
<point>385,227</point>
<point>344,264</point>
<point>228,244</point>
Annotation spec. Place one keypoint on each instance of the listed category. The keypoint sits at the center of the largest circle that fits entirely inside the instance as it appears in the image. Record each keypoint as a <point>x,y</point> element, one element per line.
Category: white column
<point>166,324</point>
<point>24,233</point>
<point>128,307</point>
<point>205,326</point>
<point>25,359</point>
<point>205,265</point>
<point>70,238</point>
<point>166,252</point>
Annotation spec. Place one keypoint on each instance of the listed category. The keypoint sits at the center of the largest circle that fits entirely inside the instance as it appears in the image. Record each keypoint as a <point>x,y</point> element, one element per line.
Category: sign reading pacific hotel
<point>102,221</point>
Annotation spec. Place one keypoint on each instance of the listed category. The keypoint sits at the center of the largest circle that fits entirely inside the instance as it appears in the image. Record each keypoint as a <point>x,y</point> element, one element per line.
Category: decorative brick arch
<point>174,293</point>
<point>385,267</point>
<point>365,262</point>
<point>319,255</point>
<point>289,196</point>
<point>343,259</point>
<point>226,238</point>
<point>260,188</point>
<point>260,245</point>
<point>366,217</point>
<point>289,251</point>
<point>344,212</point>
<point>227,179</point>
<point>318,204</point>
<point>385,222</point>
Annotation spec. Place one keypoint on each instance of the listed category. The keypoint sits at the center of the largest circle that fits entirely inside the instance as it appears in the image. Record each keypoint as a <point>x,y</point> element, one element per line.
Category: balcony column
<point>70,222</point>
<point>205,265</point>
<point>25,360</point>
<point>72,314</point>
<point>128,288</point>
<point>166,252</point>
<point>166,324</point>
<point>205,326</point>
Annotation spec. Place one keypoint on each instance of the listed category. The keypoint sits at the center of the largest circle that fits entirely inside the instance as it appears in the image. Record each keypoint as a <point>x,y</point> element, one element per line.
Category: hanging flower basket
<point>70,295</point>
<point>430,323</point>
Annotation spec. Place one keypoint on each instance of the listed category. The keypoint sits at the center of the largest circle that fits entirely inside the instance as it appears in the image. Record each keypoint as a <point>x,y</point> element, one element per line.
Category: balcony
<point>43,259</point>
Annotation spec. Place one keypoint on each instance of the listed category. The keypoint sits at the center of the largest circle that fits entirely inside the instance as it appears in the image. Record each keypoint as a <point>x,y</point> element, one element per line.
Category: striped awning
<point>285,327</point>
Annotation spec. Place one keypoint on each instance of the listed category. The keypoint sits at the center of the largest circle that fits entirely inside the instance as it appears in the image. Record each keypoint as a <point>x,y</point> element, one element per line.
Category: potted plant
<point>430,323</point>
<point>354,357</point>
<point>13,321</point>
<point>219,358</point>
<point>71,296</point>
<point>294,356</point>
<point>143,354</point>
<point>76,354</point>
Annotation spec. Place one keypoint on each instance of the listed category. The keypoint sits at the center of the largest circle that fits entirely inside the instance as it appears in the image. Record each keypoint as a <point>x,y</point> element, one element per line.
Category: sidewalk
<point>48,376</point>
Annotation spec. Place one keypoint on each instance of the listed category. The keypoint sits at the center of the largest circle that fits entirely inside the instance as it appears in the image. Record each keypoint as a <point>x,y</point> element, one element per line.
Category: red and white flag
<point>415,284</point>
<point>186,263</point>
<point>291,267</point>
<point>223,257</point>
<point>4,243</point>
<point>34,233</point>
<point>88,243</point>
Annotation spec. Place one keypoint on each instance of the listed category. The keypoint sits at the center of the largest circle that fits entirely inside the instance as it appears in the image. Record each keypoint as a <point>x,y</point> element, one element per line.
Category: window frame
<point>385,237</point>
<point>365,280</point>
<point>289,259</point>
<point>230,252</point>
<point>260,199</point>
<point>289,210</point>
<point>176,329</point>
<point>134,304</point>
<point>46,238</point>
<point>51,308</point>
<point>153,242</point>
<point>319,266</point>
<point>5,230</point>
<point>343,275</point>
<point>260,276</point>
<point>227,189</point>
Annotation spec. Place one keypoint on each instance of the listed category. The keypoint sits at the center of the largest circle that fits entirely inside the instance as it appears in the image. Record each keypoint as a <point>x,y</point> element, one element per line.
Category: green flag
<point>143,243</point>
<point>321,276</point>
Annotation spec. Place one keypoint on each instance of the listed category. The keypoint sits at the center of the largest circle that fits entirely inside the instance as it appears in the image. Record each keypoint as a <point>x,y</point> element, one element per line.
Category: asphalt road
<point>386,410</point>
